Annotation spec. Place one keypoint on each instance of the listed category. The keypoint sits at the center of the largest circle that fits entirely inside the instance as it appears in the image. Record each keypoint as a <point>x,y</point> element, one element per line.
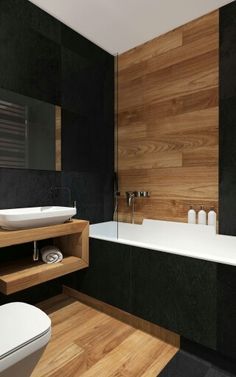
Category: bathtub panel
<point>108,276</point>
<point>226,310</point>
<point>175,292</point>
<point>192,297</point>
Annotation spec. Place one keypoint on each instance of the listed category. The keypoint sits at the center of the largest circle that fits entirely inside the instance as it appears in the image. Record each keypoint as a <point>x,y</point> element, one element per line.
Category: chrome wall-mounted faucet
<point>130,195</point>
<point>130,200</point>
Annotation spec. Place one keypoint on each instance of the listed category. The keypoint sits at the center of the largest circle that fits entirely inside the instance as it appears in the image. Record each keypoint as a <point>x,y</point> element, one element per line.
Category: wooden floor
<point>89,343</point>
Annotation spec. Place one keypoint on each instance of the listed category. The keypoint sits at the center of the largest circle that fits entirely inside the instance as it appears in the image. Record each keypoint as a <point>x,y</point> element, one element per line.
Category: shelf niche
<point>72,238</point>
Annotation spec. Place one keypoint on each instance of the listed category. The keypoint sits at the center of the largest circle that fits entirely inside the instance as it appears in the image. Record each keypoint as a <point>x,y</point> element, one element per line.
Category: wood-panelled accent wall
<point>168,121</point>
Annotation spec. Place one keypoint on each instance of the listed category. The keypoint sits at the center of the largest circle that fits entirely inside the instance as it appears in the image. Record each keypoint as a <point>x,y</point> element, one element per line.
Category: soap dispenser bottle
<point>211,218</point>
<point>202,216</point>
<point>191,215</point>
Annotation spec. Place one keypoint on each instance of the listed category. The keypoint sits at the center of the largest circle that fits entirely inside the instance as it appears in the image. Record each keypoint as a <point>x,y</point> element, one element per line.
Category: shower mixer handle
<point>142,194</point>
<point>130,195</point>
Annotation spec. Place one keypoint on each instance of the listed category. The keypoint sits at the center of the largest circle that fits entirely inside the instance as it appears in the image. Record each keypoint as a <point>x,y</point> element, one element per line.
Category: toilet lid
<point>20,324</point>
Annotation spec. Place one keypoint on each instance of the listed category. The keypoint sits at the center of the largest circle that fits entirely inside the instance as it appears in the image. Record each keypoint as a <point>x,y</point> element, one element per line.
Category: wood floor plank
<point>159,364</point>
<point>103,339</point>
<point>61,360</point>
<point>86,342</point>
<point>131,358</point>
<point>135,322</point>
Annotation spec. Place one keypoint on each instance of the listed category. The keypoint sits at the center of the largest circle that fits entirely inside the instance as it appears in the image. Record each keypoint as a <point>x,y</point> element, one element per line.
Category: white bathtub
<point>196,241</point>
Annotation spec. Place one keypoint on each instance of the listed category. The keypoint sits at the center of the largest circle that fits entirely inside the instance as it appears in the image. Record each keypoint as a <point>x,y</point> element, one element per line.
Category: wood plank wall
<point>168,121</point>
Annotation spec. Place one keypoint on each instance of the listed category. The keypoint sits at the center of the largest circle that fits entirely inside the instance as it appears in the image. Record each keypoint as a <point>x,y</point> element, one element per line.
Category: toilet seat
<point>23,330</point>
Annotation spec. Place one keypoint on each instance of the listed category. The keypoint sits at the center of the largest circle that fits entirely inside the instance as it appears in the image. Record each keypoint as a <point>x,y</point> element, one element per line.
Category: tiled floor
<point>187,365</point>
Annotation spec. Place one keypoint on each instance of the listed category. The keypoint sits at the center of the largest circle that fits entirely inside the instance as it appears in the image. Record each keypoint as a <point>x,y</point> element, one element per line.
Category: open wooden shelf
<point>71,238</point>
<point>28,273</point>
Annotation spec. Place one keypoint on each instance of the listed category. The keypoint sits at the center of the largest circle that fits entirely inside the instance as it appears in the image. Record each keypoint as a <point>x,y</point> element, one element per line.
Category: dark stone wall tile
<point>228,51</point>
<point>87,188</point>
<point>44,69</point>
<point>175,292</point>
<point>93,193</point>
<point>108,197</point>
<point>77,83</point>
<point>227,204</point>
<point>26,188</point>
<point>13,54</point>
<point>29,63</point>
<point>33,17</point>
<point>85,83</point>
<point>82,46</point>
<point>87,143</point>
<point>93,213</point>
<point>88,93</point>
<point>75,142</point>
<point>227,132</point>
<point>227,139</point>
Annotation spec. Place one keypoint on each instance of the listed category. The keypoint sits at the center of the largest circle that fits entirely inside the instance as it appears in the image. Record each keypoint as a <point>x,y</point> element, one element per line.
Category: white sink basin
<point>33,217</point>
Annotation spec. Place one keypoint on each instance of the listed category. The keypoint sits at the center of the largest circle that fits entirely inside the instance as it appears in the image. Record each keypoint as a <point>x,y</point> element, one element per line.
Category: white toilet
<point>24,333</point>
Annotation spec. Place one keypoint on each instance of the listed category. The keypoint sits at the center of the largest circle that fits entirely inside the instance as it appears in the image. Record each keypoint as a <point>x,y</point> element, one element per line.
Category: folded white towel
<point>51,254</point>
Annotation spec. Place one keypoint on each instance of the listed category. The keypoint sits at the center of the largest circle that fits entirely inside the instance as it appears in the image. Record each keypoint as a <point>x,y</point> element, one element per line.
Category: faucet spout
<point>129,201</point>
<point>129,197</point>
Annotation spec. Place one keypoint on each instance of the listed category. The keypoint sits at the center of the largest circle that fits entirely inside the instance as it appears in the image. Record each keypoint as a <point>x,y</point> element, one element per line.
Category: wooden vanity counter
<point>71,238</point>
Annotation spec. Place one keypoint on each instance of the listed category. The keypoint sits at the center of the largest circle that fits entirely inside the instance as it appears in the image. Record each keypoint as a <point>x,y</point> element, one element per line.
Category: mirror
<point>30,133</point>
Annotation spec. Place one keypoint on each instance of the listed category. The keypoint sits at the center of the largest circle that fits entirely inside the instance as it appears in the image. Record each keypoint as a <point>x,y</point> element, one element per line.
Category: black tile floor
<point>187,365</point>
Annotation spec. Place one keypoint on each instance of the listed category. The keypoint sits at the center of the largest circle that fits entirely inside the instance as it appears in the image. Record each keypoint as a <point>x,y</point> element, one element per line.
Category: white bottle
<point>202,216</point>
<point>191,216</point>
<point>211,218</point>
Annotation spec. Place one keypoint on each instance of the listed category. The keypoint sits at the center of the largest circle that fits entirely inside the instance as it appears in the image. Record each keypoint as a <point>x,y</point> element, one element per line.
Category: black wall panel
<point>226,310</point>
<point>42,58</point>
<point>228,51</point>
<point>32,17</point>
<point>227,160</point>
<point>82,46</point>
<point>226,292</point>
<point>76,149</point>
<point>89,93</point>
<point>30,63</point>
